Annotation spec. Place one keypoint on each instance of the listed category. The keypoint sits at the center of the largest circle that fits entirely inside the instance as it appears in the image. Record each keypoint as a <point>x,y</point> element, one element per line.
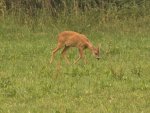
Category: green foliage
<point>2,9</point>
<point>106,9</point>
<point>29,84</point>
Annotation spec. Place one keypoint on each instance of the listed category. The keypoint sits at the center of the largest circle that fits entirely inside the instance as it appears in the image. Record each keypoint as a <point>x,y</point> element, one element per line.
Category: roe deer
<point>69,39</point>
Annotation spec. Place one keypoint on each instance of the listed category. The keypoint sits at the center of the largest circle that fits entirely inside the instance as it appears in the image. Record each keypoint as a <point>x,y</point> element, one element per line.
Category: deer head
<point>96,52</point>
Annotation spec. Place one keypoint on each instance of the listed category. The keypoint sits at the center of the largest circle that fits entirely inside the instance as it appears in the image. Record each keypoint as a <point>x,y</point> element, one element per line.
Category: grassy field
<point>118,83</point>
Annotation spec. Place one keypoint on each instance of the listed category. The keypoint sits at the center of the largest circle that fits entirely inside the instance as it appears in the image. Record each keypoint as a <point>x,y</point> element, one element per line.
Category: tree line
<point>54,7</point>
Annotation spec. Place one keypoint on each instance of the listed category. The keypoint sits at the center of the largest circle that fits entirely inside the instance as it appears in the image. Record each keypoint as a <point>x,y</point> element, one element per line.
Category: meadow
<point>117,83</point>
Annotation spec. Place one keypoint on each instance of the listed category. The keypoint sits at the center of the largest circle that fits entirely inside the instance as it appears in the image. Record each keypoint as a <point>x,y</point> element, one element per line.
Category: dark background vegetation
<point>34,8</point>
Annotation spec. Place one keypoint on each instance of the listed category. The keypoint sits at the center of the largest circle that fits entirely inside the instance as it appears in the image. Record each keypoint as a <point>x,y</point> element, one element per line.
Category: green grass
<point>118,83</point>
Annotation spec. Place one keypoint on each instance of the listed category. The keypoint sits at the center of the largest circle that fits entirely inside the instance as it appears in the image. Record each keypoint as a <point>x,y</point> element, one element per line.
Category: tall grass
<point>118,82</point>
<point>86,13</point>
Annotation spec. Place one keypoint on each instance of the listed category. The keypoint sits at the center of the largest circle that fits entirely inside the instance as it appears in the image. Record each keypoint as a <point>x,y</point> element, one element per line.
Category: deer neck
<point>91,47</point>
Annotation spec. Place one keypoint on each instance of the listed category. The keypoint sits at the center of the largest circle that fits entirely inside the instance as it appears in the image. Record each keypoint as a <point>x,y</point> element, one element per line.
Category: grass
<point>118,83</point>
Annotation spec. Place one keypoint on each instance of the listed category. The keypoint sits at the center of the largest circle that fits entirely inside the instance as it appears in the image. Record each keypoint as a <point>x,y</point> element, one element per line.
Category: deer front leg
<point>80,55</point>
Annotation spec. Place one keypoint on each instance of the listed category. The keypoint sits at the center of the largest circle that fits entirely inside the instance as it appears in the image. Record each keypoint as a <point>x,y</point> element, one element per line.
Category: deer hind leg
<point>59,46</point>
<point>64,54</point>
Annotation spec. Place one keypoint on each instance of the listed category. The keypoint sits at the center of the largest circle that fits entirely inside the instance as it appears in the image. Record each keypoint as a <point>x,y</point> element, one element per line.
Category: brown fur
<point>69,39</point>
